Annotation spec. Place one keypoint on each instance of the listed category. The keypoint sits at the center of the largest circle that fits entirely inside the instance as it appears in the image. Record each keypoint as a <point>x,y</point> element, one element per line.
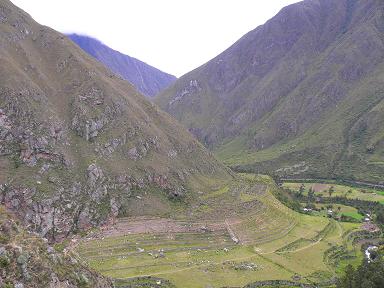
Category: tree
<point>367,275</point>
<point>301,189</point>
<point>331,190</point>
<point>276,177</point>
<point>380,216</point>
<point>347,280</point>
<point>311,195</point>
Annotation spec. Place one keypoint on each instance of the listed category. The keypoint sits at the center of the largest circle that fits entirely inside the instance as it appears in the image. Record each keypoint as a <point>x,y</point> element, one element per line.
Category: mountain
<point>301,95</point>
<point>147,79</point>
<point>80,146</point>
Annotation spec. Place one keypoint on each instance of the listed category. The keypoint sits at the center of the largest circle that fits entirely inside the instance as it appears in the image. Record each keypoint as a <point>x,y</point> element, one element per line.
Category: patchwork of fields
<point>367,194</point>
<point>263,240</point>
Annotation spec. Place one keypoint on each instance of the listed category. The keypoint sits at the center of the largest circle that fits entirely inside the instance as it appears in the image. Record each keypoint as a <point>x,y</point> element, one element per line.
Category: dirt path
<point>231,233</point>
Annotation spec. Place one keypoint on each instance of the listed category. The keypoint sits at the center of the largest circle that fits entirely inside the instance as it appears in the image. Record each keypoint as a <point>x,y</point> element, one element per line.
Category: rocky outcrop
<point>81,206</point>
<point>87,127</point>
<point>26,260</point>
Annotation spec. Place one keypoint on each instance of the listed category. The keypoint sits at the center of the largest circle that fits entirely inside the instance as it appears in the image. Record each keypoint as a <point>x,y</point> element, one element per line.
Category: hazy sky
<point>175,36</point>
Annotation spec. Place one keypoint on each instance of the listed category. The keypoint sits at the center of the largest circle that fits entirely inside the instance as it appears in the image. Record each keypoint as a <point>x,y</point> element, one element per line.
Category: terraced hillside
<point>301,95</point>
<point>259,242</point>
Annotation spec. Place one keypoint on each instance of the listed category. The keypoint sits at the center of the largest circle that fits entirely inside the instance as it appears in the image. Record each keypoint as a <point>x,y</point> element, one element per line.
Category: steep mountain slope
<point>78,145</point>
<point>301,95</point>
<point>27,261</point>
<point>147,79</point>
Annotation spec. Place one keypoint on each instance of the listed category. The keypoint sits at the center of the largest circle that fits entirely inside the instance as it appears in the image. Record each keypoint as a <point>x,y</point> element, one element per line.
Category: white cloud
<point>173,35</point>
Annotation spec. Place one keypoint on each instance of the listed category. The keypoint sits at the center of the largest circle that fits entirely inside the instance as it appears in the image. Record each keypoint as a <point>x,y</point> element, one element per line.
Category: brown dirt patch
<point>143,225</point>
<point>318,187</point>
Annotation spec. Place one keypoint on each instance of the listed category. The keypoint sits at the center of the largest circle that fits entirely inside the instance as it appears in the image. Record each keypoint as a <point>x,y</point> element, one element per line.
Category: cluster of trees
<point>311,191</point>
<point>367,275</point>
<point>293,199</point>
<point>380,216</point>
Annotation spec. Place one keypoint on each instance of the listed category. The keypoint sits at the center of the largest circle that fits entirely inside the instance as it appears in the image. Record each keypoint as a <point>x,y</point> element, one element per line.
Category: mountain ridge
<point>260,104</point>
<point>147,79</point>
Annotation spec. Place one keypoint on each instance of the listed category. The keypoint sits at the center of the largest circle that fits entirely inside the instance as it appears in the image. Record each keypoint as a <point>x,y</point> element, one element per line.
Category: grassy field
<point>339,209</point>
<point>275,244</point>
<point>201,259</point>
<point>321,189</point>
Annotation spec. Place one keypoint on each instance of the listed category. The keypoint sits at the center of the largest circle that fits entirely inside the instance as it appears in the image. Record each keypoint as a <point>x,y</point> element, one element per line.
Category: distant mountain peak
<point>147,79</point>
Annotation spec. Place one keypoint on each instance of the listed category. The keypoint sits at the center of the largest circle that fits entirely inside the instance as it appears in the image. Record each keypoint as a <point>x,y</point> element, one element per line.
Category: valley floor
<point>262,240</point>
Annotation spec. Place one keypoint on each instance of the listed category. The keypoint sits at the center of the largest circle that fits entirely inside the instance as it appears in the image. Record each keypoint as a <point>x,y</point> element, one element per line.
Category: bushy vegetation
<point>299,196</point>
<point>367,275</point>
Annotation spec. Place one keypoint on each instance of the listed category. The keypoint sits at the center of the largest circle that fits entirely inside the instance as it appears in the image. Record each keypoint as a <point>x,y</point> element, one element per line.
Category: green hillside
<point>301,96</point>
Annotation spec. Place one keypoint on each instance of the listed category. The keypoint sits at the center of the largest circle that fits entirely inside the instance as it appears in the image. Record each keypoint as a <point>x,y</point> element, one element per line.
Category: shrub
<point>4,261</point>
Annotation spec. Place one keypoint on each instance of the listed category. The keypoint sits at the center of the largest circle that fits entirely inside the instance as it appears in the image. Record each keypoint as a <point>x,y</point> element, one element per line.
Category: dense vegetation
<point>305,198</point>
<point>366,275</point>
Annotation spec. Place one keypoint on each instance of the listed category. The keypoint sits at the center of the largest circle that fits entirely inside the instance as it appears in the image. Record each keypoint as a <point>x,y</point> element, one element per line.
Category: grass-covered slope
<point>147,79</point>
<point>302,92</point>
<point>78,145</point>
<point>28,261</point>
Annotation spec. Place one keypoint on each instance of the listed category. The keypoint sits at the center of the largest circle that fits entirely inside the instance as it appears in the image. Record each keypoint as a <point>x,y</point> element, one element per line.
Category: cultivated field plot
<point>367,194</point>
<point>339,209</point>
<point>266,242</point>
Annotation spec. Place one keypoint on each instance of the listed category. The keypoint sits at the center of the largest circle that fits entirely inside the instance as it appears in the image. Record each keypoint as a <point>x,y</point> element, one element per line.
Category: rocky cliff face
<point>77,143</point>
<point>297,89</point>
<point>147,79</point>
<point>26,260</point>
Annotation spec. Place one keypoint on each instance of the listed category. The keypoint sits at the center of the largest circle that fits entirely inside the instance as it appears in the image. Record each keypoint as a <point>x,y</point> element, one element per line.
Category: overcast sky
<point>175,36</point>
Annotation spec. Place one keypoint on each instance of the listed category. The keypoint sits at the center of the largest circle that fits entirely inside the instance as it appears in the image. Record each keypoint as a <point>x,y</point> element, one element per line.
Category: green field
<point>321,189</point>
<point>275,243</point>
<point>339,209</point>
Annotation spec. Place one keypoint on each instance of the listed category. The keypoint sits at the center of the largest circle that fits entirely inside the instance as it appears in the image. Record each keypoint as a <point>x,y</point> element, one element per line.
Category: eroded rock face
<point>66,205</point>
<point>28,261</point>
<point>88,128</point>
<point>79,207</point>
